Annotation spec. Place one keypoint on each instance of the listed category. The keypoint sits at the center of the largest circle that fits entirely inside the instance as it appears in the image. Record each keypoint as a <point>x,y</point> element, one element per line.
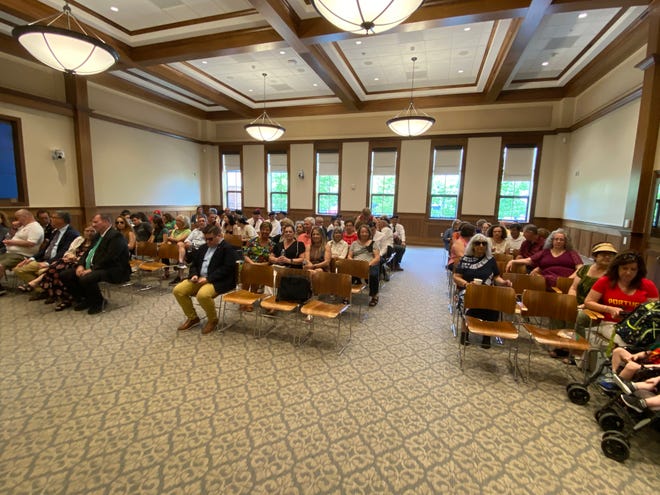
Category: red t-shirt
<point>350,238</point>
<point>614,296</point>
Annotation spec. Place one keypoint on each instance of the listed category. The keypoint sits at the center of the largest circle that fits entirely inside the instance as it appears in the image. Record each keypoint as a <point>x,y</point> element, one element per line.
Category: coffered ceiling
<point>206,57</point>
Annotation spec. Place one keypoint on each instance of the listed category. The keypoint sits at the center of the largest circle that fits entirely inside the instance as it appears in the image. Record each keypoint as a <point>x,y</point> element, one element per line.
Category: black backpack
<point>642,327</point>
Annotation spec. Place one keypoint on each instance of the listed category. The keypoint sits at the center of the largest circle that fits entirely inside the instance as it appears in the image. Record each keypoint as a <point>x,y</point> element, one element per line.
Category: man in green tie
<point>106,261</point>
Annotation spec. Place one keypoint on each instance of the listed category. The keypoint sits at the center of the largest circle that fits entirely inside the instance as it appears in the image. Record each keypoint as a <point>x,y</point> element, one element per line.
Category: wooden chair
<point>336,287</point>
<point>545,307</point>
<point>149,262</point>
<point>359,269</point>
<point>562,285</point>
<point>170,252</point>
<point>522,282</point>
<point>252,277</point>
<point>502,259</point>
<point>501,299</point>
<point>279,310</point>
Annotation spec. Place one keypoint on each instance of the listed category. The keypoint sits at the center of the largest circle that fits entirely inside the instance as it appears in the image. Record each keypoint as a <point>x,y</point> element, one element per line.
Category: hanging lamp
<point>410,121</point>
<point>263,128</point>
<point>366,16</point>
<point>66,49</point>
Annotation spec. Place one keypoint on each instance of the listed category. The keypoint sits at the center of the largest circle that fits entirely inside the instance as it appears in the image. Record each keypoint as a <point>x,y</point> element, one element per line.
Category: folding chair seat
<point>547,309</point>
<point>332,296</point>
<point>501,299</point>
<point>275,308</point>
<point>170,252</point>
<point>252,277</point>
<point>562,285</point>
<point>149,262</point>
<point>359,272</point>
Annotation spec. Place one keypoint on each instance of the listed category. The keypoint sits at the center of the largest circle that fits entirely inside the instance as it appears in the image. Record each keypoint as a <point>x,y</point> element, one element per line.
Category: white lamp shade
<point>66,50</point>
<point>412,125</point>
<point>264,132</point>
<point>366,16</point>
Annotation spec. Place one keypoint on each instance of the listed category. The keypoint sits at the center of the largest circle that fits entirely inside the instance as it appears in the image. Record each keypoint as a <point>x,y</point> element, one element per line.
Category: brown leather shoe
<point>189,323</point>
<point>210,326</point>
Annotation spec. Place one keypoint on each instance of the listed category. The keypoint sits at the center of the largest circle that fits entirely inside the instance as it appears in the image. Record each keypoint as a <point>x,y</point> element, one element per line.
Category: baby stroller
<point>640,330</point>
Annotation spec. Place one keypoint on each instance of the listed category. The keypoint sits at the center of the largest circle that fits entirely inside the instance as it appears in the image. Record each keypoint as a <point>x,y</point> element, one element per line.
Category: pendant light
<point>66,49</point>
<point>366,16</point>
<point>410,121</point>
<point>263,128</point>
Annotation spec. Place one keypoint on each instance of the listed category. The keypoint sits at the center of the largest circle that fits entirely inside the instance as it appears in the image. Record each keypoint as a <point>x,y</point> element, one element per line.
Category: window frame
<point>446,144</point>
<point>535,141</point>
<point>269,193</point>
<point>224,191</point>
<point>19,163</point>
<point>326,148</point>
<point>385,146</point>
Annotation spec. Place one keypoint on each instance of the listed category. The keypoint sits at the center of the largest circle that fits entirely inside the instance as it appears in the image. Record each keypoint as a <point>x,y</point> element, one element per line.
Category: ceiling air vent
<point>167,4</point>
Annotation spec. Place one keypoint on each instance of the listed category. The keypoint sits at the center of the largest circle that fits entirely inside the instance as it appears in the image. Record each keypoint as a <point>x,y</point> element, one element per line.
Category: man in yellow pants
<point>212,272</point>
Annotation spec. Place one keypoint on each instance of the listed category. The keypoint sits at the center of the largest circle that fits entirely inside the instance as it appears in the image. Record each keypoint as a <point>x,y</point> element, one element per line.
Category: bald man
<point>25,243</point>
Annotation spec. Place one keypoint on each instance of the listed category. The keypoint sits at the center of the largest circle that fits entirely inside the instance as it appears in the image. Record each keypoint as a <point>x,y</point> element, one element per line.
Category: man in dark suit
<point>105,261</point>
<point>212,272</point>
<point>61,238</point>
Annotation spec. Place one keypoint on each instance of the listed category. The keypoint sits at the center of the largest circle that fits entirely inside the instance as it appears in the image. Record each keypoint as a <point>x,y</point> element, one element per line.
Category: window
<point>656,208</point>
<point>278,182</point>
<point>232,181</point>
<point>13,187</point>
<point>327,182</point>
<point>383,181</point>
<point>515,194</point>
<point>445,182</point>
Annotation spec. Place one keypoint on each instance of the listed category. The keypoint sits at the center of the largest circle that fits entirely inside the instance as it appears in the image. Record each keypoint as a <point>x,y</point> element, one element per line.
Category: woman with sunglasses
<point>122,225</point>
<point>478,263</point>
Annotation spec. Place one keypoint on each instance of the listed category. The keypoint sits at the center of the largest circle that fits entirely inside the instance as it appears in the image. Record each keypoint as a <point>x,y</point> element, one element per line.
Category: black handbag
<point>295,289</point>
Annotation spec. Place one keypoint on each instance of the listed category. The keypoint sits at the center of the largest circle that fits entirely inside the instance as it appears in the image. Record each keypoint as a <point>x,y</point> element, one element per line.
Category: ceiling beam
<point>212,45</point>
<point>537,10</point>
<point>286,22</point>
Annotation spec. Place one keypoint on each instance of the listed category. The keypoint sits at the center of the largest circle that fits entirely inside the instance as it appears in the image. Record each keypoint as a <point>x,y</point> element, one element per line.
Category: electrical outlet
<point>625,241</point>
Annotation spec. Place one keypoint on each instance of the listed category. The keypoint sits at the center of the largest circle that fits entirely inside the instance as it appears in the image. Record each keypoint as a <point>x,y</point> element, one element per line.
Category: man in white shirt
<point>192,243</point>
<point>276,226</point>
<point>256,219</point>
<point>25,243</point>
<point>399,242</point>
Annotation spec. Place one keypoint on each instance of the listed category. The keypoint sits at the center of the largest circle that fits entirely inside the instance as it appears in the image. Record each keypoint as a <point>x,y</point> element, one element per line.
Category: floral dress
<point>256,252</point>
<point>51,282</point>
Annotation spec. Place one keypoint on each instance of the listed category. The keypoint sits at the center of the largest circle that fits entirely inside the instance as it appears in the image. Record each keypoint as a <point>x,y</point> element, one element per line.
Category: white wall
<point>354,176</point>
<point>482,163</point>
<point>552,176</point>
<point>414,176</point>
<point>301,193</point>
<point>134,167</point>
<point>599,165</point>
<point>254,175</point>
<point>50,183</point>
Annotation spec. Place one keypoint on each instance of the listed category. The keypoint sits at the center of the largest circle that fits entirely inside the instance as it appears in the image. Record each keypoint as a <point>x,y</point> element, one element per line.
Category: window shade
<point>277,162</point>
<point>328,163</point>
<point>383,163</point>
<point>447,162</point>
<point>232,162</point>
<point>519,164</point>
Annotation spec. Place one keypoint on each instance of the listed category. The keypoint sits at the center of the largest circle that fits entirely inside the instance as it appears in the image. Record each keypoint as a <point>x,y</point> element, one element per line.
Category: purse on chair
<point>298,289</point>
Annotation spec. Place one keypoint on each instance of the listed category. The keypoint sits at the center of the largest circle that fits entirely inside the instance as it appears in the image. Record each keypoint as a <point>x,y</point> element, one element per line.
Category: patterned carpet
<point>122,403</point>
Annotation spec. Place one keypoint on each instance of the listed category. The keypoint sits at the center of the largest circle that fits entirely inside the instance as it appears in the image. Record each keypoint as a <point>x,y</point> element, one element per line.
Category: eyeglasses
<point>208,239</point>
<point>119,223</point>
<point>480,243</point>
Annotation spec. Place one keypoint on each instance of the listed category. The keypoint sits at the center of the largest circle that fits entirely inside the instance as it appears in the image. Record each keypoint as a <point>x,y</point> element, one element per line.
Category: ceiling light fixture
<point>366,16</point>
<point>66,49</point>
<point>410,121</point>
<point>263,128</point>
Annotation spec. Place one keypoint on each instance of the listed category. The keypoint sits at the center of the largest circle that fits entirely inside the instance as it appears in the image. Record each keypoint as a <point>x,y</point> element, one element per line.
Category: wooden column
<point>640,191</point>
<point>76,96</point>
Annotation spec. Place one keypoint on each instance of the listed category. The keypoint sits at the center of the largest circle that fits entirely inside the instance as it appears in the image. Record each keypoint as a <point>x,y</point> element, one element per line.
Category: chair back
<point>256,275</point>
<point>168,251</point>
<point>234,240</point>
<point>563,284</point>
<point>523,281</point>
<point>282,272</point>
<point>146,249</point>
<point>331,284</point>
<point>502,257</point>
<point>551,305</point>
<point>502,299</point>
<point>354,268</point>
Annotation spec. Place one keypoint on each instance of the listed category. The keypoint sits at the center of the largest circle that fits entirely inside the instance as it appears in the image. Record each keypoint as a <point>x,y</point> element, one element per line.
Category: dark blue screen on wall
<point>8,180</point>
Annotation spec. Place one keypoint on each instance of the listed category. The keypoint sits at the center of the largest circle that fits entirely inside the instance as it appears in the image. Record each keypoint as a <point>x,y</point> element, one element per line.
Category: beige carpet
<point>121,403</point>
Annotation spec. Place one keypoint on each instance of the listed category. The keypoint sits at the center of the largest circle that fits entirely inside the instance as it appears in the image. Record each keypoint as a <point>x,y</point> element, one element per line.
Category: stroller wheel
<point>602,411</point>
<point>615,445</point>
<point>610,421</point>
<point>578,393</point>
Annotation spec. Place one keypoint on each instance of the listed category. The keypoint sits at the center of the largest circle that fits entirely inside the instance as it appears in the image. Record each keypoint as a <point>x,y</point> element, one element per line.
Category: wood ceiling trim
<point>561,6</point>
<point>535,14</point>
<point>178,78</point>
<point>21,99</point>
<point>212,45</point>
<point>286,22</point>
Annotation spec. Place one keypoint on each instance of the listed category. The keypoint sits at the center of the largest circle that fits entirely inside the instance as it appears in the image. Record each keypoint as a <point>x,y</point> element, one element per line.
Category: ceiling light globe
<point>66,50</point>
<point>264,132</point>
<point>366,16</point>
<point>413,125</point>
